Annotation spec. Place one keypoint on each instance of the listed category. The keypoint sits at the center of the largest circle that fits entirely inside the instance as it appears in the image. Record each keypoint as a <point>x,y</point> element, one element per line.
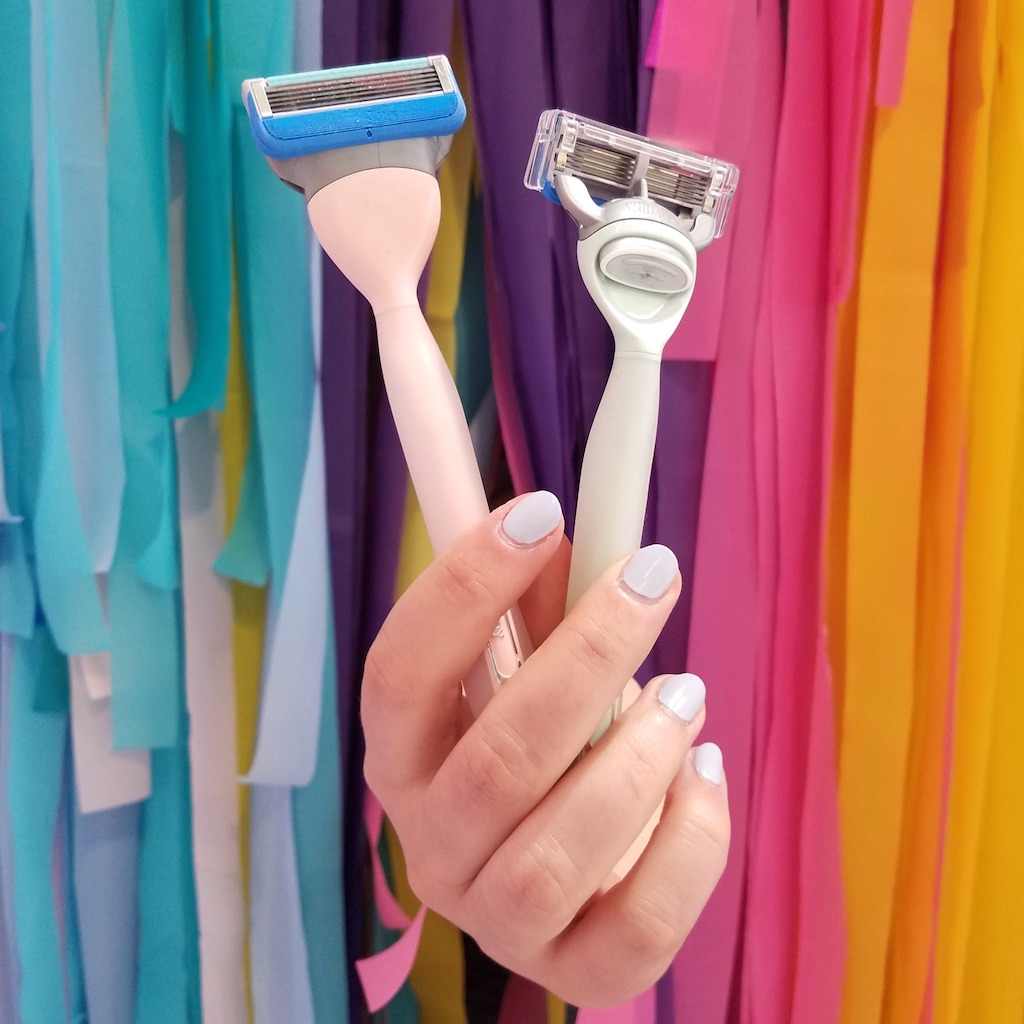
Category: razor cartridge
<point>614,164</point>
<point>296,115</point>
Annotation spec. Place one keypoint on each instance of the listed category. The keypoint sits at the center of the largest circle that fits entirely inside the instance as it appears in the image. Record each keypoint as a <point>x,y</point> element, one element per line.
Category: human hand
<point>502,833</point>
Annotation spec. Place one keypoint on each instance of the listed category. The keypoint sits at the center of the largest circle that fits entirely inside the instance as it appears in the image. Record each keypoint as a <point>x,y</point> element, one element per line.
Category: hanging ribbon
<point>10,968</point>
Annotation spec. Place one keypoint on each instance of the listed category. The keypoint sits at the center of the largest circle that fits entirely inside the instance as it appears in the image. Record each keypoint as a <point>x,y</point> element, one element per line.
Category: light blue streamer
<point>105,861</point>
<point>168,976</point>
<point>67,586</point>
<point>318,812</point>
<point>74,978</point>
<point>90,393</point>
<point>34,781</point>
<point>281,989</point>
<point>208,211</point>
<point>292,687</point>
<point>10,967</point>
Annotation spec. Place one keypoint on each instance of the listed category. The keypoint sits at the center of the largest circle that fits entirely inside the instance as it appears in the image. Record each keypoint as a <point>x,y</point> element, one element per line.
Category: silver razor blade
<point>615,163</point>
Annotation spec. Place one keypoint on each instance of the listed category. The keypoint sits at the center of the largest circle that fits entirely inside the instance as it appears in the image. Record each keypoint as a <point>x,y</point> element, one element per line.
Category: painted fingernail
<point>532,518</point>
<point>683,695</point>
<point>707,759</point>
<point>650,572</point>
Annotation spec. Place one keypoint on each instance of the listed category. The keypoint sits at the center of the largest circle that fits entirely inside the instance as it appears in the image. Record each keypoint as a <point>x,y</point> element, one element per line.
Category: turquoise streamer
<point>168,980</point>
<point>21,396</point>
<point>318,812</point>
<point>35,774</point>
<point>10,966</point>
<point>208,211</point>
<point>73,969</point>
<point>67,586</point>
<point>246,555</point>
<point>473,362</point>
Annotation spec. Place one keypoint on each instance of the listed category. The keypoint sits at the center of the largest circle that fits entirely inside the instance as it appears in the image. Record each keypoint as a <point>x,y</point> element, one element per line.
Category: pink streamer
<point>640,1010</point>
<point>384,973</point>
<point>892,51</point>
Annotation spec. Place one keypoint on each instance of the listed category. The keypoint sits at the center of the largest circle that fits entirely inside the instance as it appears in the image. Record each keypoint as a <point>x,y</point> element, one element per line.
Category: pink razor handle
<point>379,227</point>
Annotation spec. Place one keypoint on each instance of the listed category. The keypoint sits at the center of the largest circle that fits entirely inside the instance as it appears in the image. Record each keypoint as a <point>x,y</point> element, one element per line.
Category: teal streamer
<point>21,397</point>
<point>34,780</point>
<point>318,813</point>
<point>74,971</point>
<point>245,555</point>
<point>208,211</point>
<point>168,971</point>
<point>67,586</point>
<point>51,686</point>
<point>473,360</point>
<point>276,327</point>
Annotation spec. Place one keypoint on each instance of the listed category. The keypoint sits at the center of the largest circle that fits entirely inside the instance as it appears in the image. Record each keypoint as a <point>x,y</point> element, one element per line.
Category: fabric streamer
<point>10,968</point>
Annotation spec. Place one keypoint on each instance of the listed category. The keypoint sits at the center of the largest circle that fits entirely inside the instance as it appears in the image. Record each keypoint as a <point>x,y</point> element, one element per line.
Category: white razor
<point>644,212</point>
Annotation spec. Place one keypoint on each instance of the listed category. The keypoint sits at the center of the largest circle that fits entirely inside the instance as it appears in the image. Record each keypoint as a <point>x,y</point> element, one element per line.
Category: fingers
<point>533,730</point>
<point>649,914</point>
<point>563,851</point>
<point>543,603</point>
<point>411,696</point>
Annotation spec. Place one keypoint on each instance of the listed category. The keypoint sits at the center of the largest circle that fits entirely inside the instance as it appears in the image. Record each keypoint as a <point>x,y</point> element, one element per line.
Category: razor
<point>644,211</point>
<point>363,145</point>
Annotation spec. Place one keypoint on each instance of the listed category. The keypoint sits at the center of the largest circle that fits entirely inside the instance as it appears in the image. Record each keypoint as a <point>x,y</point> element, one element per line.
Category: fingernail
<point>707,759</point>
<point>532,518</point>
<point>650,572</point>
<point>683,695</point>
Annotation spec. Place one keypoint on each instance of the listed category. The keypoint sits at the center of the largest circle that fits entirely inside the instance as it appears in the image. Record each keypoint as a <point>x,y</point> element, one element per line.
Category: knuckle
<point>538,884</point>
<point>461,582</point>
<point>384,676</point>
<point>649,934</point>
<point>642,771</point>
<point>706,836</point>
<point>499,767</point>
<point>598,647</point>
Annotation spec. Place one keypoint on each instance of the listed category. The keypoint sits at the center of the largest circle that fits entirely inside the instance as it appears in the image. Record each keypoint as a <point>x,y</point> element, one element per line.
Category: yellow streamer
<point>980,885</point>
<point>894,320</point>
<point>249,602</point>
<point>914,916</point>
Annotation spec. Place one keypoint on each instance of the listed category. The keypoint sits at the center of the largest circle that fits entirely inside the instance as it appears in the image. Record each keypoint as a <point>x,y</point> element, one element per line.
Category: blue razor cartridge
<point>293,115</point>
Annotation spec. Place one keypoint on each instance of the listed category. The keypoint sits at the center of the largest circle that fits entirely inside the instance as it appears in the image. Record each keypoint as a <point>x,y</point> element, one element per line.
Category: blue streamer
<point>34,780</point>
<point>318,812</point>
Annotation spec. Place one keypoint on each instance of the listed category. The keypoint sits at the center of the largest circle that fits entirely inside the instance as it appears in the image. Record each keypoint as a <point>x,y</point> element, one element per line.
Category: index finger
<point>412,706</point>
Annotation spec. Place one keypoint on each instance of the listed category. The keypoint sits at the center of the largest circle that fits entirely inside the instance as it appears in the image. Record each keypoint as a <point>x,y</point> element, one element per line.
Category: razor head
<point>613,164</point>
<point>294,115</point>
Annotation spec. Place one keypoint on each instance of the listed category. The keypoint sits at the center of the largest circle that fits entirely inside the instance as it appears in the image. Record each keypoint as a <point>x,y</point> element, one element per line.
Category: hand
<point>502,833</point>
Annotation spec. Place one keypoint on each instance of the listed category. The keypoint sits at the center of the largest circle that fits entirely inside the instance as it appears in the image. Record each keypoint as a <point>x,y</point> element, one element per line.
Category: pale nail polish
<point>707,759</point>
<point>650,572</point>
<point>532,518</point>
<point>683,695</point>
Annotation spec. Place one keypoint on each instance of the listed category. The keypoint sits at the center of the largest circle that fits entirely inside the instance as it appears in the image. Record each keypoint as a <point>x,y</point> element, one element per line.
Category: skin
<point>503,835</point>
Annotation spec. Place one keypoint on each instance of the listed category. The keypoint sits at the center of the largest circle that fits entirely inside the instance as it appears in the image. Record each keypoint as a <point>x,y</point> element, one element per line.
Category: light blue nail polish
<point>707,759</point>
<point>683,695</point>
<point>532,518</point>
<point>650,572</point>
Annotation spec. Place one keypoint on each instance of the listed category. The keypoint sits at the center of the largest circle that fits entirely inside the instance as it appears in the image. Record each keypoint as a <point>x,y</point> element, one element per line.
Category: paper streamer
<point>280,969</point>
<point>34,781</point>
<point>209,675</point>
<point>10,968</point>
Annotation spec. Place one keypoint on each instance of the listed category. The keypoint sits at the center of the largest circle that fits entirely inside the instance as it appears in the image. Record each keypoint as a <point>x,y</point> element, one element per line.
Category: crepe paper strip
<point>10,967</point>
<point>67,589</point>
<point>642,1009</point>
<point>653,50</point>
<point>34,781</point>
<point>245,556</point>
<point>286,746</point>
<point>722,641</point>
<point>524,1001</point>
<point>209,670</point>
<point>63,881</point>
<point>105,866</point>
<point>895,305</point>
<point>892,51</point>
<point>168,954</point>
<point>912,941</point>
<point>207,139</point>
<point>318,812</point>
<point>105,778</point>
<point>988,589</point>
<point>388,910</point>
<point>280,971</point>
<point>383,974</point>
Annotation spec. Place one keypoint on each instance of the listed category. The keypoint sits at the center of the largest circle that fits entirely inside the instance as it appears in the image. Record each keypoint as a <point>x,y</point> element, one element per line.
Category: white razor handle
<point>379,226</point>
<point>641,274</point>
